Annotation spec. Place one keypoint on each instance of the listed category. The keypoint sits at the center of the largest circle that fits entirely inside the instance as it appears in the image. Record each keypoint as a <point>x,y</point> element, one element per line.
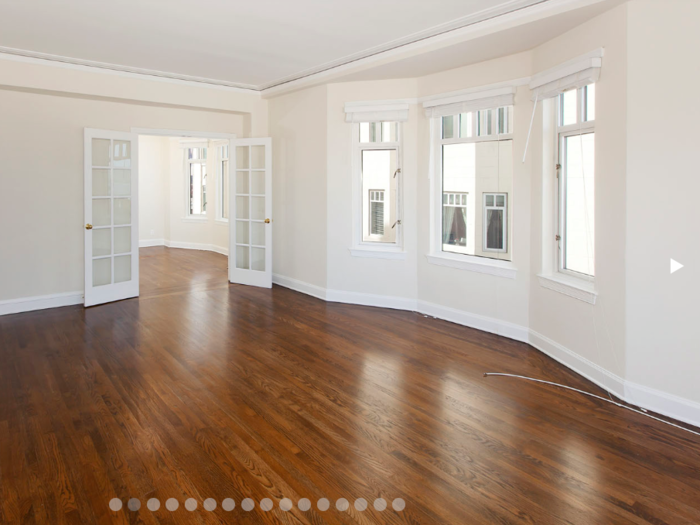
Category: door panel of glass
<point>250,260</point>
<point>111,229</point>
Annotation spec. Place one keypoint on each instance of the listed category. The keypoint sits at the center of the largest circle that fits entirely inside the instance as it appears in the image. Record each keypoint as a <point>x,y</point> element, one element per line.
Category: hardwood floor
<point>201,389</point>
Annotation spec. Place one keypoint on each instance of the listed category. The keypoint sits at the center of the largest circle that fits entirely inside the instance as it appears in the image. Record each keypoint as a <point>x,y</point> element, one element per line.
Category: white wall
<point>154,179</point>
<point>298,130</point>
<point>663,184</point>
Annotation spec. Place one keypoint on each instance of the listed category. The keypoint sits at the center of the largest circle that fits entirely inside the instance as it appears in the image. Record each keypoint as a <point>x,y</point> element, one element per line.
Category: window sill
<point>571,286</point>
<point>194,219</point>
<point>221,221</point>
<point>475,264</point>
<point>394,253</point>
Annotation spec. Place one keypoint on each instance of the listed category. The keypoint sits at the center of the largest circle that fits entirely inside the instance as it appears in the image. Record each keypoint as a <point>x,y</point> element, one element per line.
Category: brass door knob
<point>267,221</point>
<point>88,226</point>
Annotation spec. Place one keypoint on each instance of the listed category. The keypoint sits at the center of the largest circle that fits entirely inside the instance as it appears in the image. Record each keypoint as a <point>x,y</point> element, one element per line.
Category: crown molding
<point>491,20</point>
<point>34,57</point>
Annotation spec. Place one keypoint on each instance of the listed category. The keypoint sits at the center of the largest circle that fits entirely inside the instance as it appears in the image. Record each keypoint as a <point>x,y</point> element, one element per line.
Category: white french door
<point>111,216</point>
<point>250,225</point>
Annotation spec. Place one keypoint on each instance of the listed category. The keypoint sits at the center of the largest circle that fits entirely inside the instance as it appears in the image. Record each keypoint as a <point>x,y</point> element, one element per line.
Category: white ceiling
<point>250,44</point>
<point>507,42</point>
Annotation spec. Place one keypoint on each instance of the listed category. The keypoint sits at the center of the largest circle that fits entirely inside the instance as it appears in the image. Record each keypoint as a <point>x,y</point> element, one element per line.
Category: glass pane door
<point>111,242</point>
<point>250,258</point>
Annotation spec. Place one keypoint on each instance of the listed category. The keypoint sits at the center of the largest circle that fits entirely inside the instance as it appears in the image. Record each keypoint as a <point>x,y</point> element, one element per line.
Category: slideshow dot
<point>286,504</point>
<point>134,504</point>
<point>361,504</point>
<point>228,504</point>
<point>266,504</point>
<point>323,504</point>
<point>209,504</point>
<point>191,504</point>
<point>379,504</point>
<point>153,504</point>
<point>172,504</point>
<point>304,504</point>
<point>398,504</point>
<point>342,505</point>
<point>247,504</point>
<point>115,504</point>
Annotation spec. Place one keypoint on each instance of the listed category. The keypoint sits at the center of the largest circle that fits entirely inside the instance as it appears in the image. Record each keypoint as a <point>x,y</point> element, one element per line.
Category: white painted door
<point>111,216</point>
<point>250,226</point>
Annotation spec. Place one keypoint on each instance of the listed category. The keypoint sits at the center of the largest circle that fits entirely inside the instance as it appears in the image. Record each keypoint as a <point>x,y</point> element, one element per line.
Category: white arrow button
<point>675,266</point>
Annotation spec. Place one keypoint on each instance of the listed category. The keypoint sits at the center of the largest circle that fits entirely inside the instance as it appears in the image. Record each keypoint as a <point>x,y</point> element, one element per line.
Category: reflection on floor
<point>201,389</point>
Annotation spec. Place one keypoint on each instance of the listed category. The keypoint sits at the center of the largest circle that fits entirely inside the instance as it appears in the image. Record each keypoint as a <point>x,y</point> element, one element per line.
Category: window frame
<point>361,248</point>
<point>484,224</point>
<point>579,128</point>
<point>436,254</point>
<point>188,174</point>
<point>221,190</point>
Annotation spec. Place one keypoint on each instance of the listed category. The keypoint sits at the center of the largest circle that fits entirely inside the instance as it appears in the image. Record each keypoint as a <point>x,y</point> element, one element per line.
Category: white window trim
<point>203,143</point>
<point>571,284</point>
<point>376,250</point>
<point>505,221</point>
<point>218,145</point>
<point>579,128</point>
<point>436,256</point>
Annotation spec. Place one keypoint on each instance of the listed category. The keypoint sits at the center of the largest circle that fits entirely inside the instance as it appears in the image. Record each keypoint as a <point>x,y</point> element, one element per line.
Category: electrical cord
<point>635,410</point>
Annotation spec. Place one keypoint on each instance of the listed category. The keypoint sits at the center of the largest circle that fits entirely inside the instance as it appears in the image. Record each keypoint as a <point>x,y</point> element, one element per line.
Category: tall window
<point>196,166</point>
<point>576,179</point>
<point>223,182</point>
<point>476,159</point>
<point>380,173</point>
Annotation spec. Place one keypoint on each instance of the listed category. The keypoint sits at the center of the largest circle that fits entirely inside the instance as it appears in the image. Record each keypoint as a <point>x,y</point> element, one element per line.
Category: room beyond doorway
<point>171,271</point>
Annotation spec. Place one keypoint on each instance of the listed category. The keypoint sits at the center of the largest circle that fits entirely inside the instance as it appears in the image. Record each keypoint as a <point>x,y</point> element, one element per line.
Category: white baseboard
<point>40,302</point>
<point>299,286</point>
<point>184,245</point>
<point>369,299</point>
<point>579,364</point>
<point>146,243</point>
<point>648,398</point>
<point>480,322</point>
<point>663,403</point>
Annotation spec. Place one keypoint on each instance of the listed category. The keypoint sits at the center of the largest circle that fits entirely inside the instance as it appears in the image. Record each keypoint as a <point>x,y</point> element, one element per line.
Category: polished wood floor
<point>201,389</point>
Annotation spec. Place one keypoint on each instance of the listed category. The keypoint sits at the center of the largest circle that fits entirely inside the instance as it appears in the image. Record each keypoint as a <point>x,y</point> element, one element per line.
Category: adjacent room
<point>349,262</point>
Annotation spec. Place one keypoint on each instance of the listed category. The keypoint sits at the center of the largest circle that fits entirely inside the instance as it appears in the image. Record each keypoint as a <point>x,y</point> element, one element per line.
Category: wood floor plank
<point>202,389</point>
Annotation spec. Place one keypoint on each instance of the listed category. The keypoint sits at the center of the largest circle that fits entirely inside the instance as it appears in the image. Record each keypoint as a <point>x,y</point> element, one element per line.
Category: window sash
<point>198,188</point>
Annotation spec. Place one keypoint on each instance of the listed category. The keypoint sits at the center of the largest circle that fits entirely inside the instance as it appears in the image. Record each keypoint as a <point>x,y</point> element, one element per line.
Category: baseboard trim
<point>299,286</point>
<point>648,398</point>
<point>40,302</point>
<point>579,364</point>
<point>480,322</point>
<point>147,243</point>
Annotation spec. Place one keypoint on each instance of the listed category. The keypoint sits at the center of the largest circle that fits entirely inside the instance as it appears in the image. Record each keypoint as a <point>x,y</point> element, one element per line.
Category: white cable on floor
<point>487,374</point>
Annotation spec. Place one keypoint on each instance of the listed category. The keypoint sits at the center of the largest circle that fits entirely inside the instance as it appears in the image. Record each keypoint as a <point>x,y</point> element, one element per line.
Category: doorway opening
<point>183,213</point>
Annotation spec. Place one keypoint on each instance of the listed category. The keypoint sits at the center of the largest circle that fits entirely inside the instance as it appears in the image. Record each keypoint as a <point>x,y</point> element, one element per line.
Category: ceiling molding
<point>21,55</point>
<point>492,20</point>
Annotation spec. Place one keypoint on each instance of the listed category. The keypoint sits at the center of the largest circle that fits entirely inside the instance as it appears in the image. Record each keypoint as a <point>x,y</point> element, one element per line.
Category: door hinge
<point>557,237</point>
